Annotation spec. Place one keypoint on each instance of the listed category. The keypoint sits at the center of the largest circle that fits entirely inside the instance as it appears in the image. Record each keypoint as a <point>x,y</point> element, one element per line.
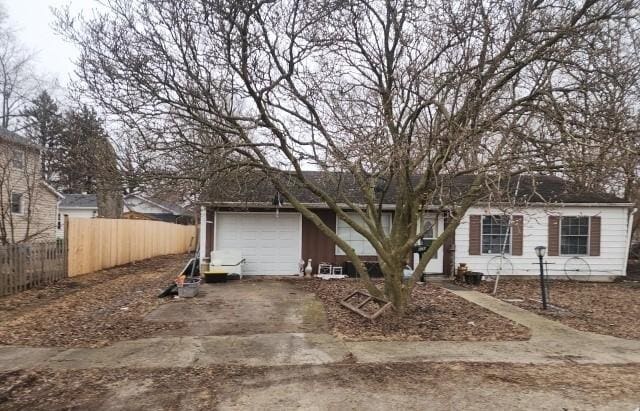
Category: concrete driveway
<point>244,308</point>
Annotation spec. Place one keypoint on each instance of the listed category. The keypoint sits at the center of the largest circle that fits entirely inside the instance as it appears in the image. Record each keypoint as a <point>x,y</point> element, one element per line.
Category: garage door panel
<point>270,244</point>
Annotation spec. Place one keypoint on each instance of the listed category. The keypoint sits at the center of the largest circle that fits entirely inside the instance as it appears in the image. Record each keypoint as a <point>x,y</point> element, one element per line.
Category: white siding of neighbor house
<point>613,240</point>
<point>73,212</point>
<point>36,197</point>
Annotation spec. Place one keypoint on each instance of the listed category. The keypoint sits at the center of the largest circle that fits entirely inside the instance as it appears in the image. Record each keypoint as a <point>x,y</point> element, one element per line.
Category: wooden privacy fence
<point>24,266</point>
<point>99,243</point>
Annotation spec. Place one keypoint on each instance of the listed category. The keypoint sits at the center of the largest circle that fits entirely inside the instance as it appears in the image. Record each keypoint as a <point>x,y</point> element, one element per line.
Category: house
<point>76,206</point>
<point>28,205</point>
<point>142,206</point>
<point>585,233</point>
<point>136,206</point>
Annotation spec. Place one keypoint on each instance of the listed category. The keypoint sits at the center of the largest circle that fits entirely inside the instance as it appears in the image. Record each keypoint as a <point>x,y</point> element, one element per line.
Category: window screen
<point>574,235</point>
<point>360,244</point>
<point>496,234</point>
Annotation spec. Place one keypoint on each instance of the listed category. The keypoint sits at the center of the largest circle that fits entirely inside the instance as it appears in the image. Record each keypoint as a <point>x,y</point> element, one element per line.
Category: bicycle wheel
<point>577,269</point>
<point>498,266</point>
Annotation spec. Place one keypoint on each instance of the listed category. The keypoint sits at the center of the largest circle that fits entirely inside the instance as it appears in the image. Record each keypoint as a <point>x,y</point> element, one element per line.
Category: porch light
<point>541,251</point>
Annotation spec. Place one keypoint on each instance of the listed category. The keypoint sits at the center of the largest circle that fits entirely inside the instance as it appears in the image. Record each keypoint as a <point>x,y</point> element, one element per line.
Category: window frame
<point>20,203</point>
<point>17,153</point>
<point>340,252</point>
<point>588,236</point>
<point>509,233</point>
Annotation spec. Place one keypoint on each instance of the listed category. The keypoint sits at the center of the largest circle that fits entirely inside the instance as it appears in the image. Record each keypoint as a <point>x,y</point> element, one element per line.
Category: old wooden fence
<point>23,266</point>
<point>96,244</point>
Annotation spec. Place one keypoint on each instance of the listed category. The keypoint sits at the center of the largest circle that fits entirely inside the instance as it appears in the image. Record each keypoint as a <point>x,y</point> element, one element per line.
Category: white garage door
<point>271,245</point>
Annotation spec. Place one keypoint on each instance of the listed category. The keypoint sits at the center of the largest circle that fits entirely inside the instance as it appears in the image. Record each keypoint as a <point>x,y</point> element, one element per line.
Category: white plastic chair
<point>228,260</point>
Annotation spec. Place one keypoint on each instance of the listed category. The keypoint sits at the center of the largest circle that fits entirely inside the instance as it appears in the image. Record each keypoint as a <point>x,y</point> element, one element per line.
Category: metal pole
<point>542,288</point>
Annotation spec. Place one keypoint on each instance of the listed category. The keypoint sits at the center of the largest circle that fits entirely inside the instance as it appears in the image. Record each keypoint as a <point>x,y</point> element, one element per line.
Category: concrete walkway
<point>551,342</point>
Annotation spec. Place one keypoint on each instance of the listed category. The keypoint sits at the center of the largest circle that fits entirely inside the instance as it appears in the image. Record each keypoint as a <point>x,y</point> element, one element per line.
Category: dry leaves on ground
<point>603,308</point>
<point>434,315</point>
<point>92,310</point>
<point>204,388</point>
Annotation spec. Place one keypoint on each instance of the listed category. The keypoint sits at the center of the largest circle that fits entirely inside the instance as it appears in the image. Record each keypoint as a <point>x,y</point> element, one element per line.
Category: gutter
<point>255,204</point>
<point>629,230</point>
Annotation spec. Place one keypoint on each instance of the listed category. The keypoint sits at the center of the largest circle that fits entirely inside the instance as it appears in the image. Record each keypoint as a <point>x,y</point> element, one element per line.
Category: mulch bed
<point>603,308</point>
<point>92,310</point>
<point>433,315</point>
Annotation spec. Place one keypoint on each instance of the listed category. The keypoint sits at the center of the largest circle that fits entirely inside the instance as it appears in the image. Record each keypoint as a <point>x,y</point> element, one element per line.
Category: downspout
<point>202,241</point>
<point>629,230</point>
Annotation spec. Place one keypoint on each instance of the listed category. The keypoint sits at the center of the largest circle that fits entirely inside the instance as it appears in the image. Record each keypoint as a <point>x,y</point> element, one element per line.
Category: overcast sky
<point>33,21</point>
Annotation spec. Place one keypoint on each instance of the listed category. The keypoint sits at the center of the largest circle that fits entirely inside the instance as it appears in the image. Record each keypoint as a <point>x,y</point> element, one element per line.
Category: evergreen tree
<point>43,125</point>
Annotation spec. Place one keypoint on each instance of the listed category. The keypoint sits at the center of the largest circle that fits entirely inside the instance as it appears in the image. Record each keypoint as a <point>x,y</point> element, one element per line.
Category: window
<point>360,244</point>
<point>496,234</point>
<point>430,230</point>
<point>17,159</point>
<point>574,235</point>
<point>16,203</point>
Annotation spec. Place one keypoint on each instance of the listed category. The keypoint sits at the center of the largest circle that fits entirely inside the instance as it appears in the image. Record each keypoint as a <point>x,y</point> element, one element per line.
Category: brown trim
<point>517,235</point>
<point>553,239</point>
<point>316,245</point>
<point>595,224</point>
<point>474,234</point>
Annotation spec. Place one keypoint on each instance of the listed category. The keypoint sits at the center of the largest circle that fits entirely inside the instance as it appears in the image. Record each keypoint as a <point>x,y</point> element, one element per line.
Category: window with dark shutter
<point>574,235</point>
<point>496,234</point>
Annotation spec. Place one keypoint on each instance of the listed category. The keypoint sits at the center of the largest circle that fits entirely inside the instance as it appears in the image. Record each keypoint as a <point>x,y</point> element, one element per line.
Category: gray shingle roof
<point>79,200</point>
<point>531,189</point>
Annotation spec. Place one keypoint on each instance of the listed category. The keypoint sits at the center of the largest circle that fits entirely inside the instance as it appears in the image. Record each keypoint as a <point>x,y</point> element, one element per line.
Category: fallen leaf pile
<point>603,308</point>
<point>434,315</point>
<point>90,311</point>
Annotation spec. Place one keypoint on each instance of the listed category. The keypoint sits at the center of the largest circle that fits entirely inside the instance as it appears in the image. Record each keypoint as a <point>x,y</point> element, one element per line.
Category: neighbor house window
<point>496,234</point>
<point>574,235</point>
<point>360,244</point>
<point>17,159</point>
<point>16,203</point>
<point>430,231</point>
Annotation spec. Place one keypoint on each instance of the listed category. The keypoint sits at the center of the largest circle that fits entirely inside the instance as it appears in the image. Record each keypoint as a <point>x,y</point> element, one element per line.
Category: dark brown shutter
<point>517,235</point>
<point>553,242</point>
<point>474,234</point>
<point>594,236</point>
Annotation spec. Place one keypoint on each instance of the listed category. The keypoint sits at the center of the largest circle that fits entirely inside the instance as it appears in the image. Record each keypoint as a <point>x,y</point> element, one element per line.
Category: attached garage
<point>270,242</point>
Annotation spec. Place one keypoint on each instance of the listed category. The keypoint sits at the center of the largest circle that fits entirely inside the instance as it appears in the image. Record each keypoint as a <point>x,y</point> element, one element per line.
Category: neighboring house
<point>28,205</point>
<point>141,206</point>
<point>76,206</point>
<point>593,227</point>
<point>136,206</point>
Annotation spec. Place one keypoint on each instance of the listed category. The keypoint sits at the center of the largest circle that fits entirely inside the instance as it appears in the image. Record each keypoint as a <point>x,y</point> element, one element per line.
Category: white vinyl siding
<point>535,233</point>
<point>360,244</point>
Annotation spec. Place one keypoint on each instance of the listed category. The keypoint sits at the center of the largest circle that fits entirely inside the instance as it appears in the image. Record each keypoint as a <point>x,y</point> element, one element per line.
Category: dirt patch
<point>434,315</point>
<point>340,386</point>
<point>92,310</point>
<point>603,308</point>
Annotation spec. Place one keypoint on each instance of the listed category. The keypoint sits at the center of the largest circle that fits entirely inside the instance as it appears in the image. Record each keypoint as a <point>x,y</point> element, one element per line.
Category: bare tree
<point>392,95</point>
